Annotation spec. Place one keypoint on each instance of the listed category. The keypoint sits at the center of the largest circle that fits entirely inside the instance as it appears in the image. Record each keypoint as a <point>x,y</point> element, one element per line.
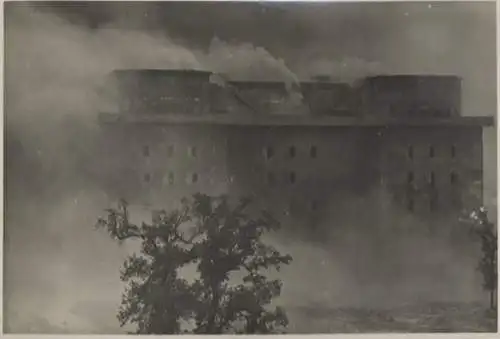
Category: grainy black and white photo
<point>250,167</point>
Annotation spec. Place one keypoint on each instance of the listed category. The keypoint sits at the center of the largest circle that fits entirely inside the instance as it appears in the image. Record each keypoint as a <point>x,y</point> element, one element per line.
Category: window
<point>453,151</point>
<point>193,152</point>
<point>410,152</point>
<point>170,178</point>
<point>147,177</point>
<point>271,178</point>
<point>170,151</point>
<point>292,177</point>
<point>431,152</point>
<point>432,179</point>
<point>314,205</point>
<point>453,177</point>
<point>410,177</point>
<point>457,201</point>
<point>145,151</point>
<point>268,152</point>
<point>194,178</point>
<point>313,152</point>
<point>410,205</point>
<point>433,202</point>
<point>292,151</point>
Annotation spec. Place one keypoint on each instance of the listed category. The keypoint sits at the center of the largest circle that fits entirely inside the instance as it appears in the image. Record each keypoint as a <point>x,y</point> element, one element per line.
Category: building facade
<point>176,133</point>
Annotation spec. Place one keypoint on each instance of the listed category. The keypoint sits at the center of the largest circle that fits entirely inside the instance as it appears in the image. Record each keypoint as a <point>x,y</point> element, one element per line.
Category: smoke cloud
<point>246,62</point>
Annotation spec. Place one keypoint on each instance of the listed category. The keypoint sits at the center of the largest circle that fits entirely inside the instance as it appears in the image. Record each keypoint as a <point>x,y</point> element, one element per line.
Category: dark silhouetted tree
<point>486,231</point>
<point>219,239</point>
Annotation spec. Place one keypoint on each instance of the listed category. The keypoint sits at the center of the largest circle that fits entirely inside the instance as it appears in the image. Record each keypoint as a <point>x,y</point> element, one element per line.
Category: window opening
<point>314,152</point>
<point>170,151</point>
<point>453,177</point>
<point>410,205</point>
<point>410,152</point>
<point>193,152</point>
<point>268,152</point>
<point>410,177</point>
<point>271,178</point>
<point>433,203</point>
<point>432,179</point>
<point>457,201</point>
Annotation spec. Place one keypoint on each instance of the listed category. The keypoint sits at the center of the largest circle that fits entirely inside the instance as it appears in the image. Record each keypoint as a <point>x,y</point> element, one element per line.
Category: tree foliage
<point>486,231</point>
<point>218,238</point>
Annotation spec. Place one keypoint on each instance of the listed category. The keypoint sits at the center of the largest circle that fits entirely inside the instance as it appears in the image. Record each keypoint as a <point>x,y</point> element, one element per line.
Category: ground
<point>431,317</point>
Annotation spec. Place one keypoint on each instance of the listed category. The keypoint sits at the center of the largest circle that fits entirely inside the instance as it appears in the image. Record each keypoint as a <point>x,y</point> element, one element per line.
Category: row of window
<point>194,177</point>
<point>192,151</point>
<point>431,178</point>
<point>175,99</point>
<point>268,152</point>
<point>170,178</point>
<point>432,151</point>
<point>433,203</point>
<point>291,152</point>
<point>291,178</point>
<point>314,205</point>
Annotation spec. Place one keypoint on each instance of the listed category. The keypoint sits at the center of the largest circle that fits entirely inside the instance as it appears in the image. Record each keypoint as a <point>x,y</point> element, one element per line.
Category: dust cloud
<point>55,261</point>
<point>376,255</point>
<point>61,276</point>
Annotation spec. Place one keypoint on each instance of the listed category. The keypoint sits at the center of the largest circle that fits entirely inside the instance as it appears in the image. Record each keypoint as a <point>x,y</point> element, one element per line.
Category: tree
<point>219,239</point>
<point>486,231</point>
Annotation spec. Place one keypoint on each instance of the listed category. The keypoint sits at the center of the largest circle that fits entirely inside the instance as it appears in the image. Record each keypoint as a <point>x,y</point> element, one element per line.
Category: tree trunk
<point>213,310</point>
<point>252,325</point>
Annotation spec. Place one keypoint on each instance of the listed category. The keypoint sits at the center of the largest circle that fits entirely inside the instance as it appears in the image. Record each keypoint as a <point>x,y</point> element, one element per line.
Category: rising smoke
<point>58,266</point>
